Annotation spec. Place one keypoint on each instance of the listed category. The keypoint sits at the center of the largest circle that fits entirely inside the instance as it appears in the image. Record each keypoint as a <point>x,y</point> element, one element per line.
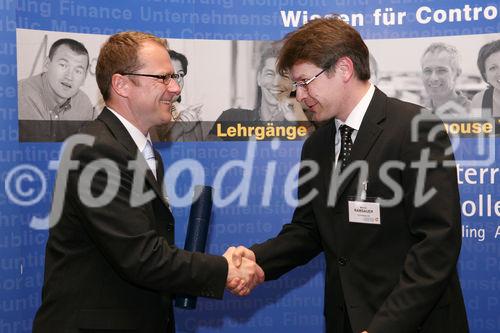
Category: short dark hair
<point>120,54</point>
<point>322,42</point>
<point>181,57</point>
<point>74,45</point>
<point>485,51</point>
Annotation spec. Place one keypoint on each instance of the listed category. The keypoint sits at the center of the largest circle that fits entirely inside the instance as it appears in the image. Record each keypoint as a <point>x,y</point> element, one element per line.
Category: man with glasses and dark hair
<point>115,266</point>
<point>55,94</point>
<point>391,255</point>
<point>185,124</point>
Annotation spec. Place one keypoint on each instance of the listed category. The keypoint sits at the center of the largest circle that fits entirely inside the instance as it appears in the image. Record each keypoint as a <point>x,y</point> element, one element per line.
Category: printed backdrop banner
<point>229,49</point>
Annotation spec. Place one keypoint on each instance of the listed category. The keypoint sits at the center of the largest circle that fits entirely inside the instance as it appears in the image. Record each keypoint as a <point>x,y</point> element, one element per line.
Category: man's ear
<point>345,68</point>
<point>46,63</point>
<point>259,81</point>
<point>120,84</point>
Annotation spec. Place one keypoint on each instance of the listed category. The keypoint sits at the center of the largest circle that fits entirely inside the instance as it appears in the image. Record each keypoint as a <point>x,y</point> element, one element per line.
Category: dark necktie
<point>345,146</point>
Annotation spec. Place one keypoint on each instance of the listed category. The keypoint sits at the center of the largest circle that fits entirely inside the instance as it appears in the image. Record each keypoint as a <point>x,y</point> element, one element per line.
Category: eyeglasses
<point>305,83</point>
<point>166,78</point>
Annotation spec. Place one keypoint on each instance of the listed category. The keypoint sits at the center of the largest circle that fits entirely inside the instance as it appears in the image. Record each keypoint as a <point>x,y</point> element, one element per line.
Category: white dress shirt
<point>354,119</point>
<point>139,138</point>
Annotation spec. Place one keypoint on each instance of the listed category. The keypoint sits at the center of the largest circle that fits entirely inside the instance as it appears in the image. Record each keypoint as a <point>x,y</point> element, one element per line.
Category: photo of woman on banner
<point>274,103</point>
<point>488,61</point>
<point>186,124</point>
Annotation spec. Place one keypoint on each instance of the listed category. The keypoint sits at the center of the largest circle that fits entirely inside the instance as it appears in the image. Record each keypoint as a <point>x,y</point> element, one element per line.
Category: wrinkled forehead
<point>439,58</point>
<point>64,52</point>
<point>267,64</point>
<point>154,56</point>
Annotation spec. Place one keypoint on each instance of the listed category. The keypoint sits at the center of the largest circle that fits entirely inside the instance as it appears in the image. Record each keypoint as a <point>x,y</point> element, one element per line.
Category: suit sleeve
<point>435,224</point>
<point>298,241</point>
<point>127,236</point>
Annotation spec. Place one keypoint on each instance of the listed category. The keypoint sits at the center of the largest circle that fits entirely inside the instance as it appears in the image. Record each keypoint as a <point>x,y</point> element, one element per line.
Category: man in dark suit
<point>111,262</point>
<point>391,266</point>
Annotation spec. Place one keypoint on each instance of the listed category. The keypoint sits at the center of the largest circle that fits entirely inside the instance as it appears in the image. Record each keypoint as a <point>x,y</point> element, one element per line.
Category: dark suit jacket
<point>399,276</point>
<point>116,267</point>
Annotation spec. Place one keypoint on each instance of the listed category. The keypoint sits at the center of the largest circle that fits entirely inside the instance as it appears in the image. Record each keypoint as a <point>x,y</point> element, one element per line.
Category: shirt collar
<point>52,103</point>
<point>357,114</point>
<point>139,138</point>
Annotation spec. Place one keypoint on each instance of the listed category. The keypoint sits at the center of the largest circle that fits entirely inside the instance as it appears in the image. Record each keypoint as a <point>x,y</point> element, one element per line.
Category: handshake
<point>243,273</point>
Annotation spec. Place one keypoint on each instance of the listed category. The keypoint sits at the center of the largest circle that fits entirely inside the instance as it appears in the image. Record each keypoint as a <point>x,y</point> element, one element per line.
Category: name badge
<point>364,212</point>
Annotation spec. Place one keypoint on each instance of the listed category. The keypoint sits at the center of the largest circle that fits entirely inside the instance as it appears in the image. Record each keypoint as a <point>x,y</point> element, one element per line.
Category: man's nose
<point>68,73</point>
<point>174,87</point>
<point>301,93</point>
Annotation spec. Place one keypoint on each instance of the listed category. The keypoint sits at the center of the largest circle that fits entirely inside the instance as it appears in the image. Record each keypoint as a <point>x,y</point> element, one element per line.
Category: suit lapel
<point>368,134</point>
<point>157,182</point>
<point>118,130</point>
<point>123,137</point>
<point>327,160</point>
<point>160,173</point>
<point>154,182</point>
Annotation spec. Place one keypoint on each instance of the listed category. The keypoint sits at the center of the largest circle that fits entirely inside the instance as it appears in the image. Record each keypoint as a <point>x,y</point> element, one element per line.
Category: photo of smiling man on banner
<point>51,102</point>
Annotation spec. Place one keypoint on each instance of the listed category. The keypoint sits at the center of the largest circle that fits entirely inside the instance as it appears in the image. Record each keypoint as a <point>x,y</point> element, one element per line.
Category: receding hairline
<point>150,42</point>
<point>437,48</point>
<point>452,58</point>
